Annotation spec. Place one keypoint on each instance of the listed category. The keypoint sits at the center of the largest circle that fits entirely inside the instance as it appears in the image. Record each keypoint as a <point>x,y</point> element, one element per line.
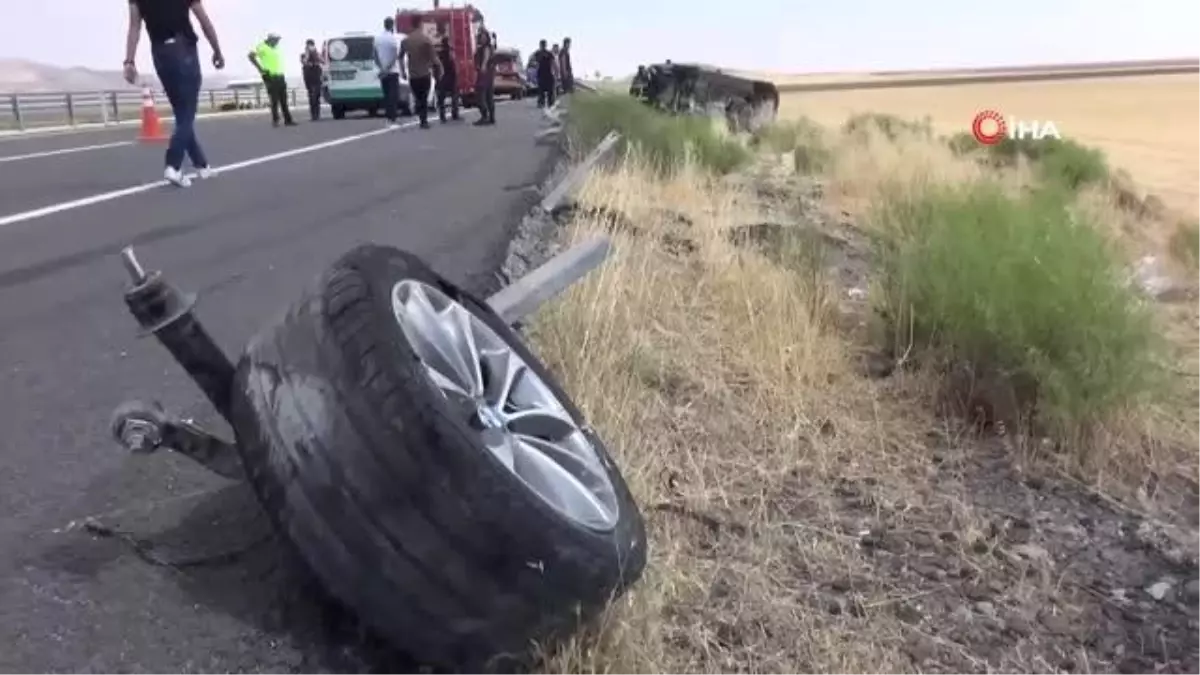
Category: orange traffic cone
<point>151,128</point>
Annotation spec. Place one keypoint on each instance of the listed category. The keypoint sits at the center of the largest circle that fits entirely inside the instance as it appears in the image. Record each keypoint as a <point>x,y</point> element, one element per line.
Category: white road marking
<point>217,170</point>
<point>63,151</point>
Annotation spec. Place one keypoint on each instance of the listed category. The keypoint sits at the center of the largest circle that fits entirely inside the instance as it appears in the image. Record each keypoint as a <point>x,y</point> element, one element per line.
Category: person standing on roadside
<point>557,71</point>
<point>565,73</point>
<point>173,46</point>
<point>485,80</point>
<point>310,64</point>
<point>447,84</point>
<point>543,60</point>
<point>423,66</point>
<point>387,59</point>
<point>269,63</point>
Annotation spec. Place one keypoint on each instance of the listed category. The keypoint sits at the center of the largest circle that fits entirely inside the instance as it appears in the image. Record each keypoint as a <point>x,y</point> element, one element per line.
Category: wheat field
<point>1147,125</point>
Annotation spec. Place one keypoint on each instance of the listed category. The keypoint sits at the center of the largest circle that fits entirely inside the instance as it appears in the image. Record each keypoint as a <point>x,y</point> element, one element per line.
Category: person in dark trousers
<point>485,81</point>
<point>557,75</point>
<point>310,64</point>
<point>565,73</point>
<point>543,60</point>
<point>387,59</point>
<point>269,62</point>
<point>173,46</point>
<point>447,84</point>
<point>423,67</point>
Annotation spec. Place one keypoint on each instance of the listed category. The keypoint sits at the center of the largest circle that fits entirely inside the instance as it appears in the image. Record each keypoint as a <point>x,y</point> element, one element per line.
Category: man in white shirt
<point>387,59</point>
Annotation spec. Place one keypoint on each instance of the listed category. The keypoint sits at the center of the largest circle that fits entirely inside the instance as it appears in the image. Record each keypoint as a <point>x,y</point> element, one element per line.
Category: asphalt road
<point>211,589</point>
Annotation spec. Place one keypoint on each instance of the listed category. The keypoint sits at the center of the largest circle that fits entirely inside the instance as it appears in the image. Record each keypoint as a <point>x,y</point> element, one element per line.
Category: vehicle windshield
<point>357,49</point>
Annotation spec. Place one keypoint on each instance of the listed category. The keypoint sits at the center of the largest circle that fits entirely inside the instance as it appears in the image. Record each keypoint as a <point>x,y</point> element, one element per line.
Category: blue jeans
<point>178,66</point>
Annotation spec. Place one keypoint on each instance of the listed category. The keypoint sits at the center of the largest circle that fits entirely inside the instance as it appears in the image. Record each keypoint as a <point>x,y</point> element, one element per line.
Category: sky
<point>613,36</point>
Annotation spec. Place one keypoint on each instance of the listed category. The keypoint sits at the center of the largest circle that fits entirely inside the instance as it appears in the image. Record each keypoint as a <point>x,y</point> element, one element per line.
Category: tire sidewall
<point>627,538</point>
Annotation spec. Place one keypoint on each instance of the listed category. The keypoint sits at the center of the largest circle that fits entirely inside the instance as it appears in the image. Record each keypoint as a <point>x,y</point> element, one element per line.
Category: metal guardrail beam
<point>23,111</point>
<point>524,296</point>
<point>578,173</point>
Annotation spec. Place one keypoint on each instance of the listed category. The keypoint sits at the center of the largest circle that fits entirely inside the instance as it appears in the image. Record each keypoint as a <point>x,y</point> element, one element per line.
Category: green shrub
<point>663,140</point>
<point>1185,244</point>
<point>805,139</point>
<point>1062,162</point>
<point>787,135</point>
<point>890,126</point>
<point>1015,286</point>
<point>962,143</point>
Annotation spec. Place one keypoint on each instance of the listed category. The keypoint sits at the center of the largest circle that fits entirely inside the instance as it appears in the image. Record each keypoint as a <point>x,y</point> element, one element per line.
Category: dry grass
<point>1146,125</point>
<point>803,517</point>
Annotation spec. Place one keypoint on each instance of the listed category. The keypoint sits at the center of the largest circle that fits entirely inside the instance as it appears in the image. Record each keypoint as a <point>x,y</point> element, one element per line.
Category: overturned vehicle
<point>687,88</point>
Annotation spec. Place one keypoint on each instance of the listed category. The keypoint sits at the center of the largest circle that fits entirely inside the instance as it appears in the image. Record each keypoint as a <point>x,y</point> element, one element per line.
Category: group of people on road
<point>427,63</point>
<point>550,69</point>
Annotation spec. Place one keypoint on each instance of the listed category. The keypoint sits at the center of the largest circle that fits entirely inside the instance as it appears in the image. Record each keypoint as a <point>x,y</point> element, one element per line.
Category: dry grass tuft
<point>804,517</point>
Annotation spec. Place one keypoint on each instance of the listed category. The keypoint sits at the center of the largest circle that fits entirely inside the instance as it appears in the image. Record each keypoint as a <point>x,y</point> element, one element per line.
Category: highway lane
<point>250,239</point>
<point>34,181</point>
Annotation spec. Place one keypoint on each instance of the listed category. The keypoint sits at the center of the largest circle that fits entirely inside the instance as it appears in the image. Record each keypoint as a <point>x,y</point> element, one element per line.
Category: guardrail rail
<point>28,111</point>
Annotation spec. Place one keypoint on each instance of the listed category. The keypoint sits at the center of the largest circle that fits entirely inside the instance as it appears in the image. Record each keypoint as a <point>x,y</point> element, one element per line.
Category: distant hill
<point>22,75</point>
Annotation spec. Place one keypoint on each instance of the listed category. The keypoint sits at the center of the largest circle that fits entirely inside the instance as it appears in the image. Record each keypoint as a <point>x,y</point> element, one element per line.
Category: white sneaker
<point>176,177</point>
<point>204,172</point>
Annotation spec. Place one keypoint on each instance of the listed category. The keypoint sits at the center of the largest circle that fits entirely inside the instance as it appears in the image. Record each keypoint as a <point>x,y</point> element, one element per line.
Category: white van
<point>352,78</point>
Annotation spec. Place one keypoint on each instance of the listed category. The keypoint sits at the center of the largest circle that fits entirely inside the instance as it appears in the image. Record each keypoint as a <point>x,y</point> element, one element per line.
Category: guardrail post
<point>212,100</point>
<point>258,97</point>
<point>293,98</point>
<point>237,100</point>
<point>114,103</point>
<point>16,111</point>
<point>71,109</point>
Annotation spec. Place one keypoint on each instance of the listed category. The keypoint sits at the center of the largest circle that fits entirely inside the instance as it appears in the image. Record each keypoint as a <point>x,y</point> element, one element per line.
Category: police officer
<point>269,63</point>
<point>485,80</point>
<point>447,84</point>
<point>310,64</point>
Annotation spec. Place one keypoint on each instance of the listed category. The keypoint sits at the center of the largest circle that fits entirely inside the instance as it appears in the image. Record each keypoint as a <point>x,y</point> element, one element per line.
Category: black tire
<point>389,497</point>
<point>338,111</point>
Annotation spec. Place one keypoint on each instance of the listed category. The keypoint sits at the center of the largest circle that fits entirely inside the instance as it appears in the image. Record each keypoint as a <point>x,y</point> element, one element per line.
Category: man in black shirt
<point>485,80</point>
<point>447,84</point>
<point>543,61</point>
<point>173,46</point>
<point>310,64</point>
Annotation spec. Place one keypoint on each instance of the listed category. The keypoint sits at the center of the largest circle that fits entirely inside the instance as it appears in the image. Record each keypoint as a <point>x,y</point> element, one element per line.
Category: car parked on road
<point>510,76</point>
<point>351,78</point>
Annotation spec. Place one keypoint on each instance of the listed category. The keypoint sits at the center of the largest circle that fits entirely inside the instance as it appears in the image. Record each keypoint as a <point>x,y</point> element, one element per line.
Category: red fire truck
<point>461,24</point>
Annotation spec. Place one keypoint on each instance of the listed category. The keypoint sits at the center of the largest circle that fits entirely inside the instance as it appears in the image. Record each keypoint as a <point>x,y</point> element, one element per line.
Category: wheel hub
<point>518,418</point>
<point>487,417</point>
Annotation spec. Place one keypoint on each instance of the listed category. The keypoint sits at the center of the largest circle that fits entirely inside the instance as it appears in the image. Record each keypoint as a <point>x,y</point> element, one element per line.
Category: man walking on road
<point>485,81</point>
<point>543,61</point>
<point>387,59</point>
<point>447,84</point>
<point>565,73</point>
<point>423,66</point>
<point>173,46</point>
<point>310,63</point>
<point>269,62</point>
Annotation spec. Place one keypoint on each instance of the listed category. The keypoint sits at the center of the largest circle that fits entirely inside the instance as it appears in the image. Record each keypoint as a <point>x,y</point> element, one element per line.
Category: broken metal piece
<point>144,428</point>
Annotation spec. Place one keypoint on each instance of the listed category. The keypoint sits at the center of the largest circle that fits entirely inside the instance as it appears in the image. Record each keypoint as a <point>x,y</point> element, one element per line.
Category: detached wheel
<point>428,468</point>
